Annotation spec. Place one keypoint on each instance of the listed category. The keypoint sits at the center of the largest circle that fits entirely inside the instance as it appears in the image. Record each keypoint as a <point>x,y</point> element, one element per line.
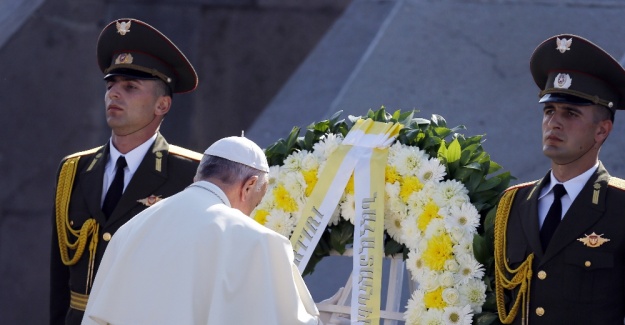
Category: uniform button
<point>540,311</point>
<point>71,222</point>
<point>542,275</point>
<point>587,263</point>
<point>106,236</point>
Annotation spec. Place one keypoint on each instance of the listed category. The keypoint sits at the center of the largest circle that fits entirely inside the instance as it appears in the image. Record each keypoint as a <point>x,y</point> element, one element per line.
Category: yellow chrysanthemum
<point>409,185</point>
<point>391,175</point>
<point>349,189</point>
<point>310,176</point>
<point>438,251</point>
<point>434,299</point>
<point>430,212</point>
<point>261,216</point>
<point>284,200</point>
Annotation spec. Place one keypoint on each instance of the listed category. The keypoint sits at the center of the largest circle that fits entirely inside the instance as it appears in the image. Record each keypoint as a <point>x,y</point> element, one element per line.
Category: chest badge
<point>150,200</point>
<point>593,240</point>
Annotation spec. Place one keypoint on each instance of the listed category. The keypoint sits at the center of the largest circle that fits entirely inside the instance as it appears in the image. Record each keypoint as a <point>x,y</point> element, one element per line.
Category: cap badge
<point>124,58</point>
<point>563,44</point>
<point>562,80</point>
<point>150,200</point>
<point>593,240</point>
<point>123,27</point>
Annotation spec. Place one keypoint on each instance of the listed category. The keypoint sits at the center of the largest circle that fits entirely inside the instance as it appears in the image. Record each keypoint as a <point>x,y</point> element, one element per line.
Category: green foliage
<point>465,161</point>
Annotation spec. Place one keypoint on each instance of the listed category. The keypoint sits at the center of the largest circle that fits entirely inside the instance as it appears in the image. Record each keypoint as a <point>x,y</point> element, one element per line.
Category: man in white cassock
<point>198,258</point>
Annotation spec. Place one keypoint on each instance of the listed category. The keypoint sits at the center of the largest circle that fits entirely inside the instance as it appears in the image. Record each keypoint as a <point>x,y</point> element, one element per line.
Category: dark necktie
<point>116,189</point>
<point>554,216</point>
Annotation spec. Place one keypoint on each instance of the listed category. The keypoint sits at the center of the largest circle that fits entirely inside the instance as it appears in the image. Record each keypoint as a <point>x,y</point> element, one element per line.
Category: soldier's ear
<point>163,105</point>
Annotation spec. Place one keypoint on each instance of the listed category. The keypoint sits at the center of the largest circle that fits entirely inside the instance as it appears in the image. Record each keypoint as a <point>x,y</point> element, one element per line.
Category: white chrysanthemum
<point>417,201</point>
<point>464,216</point>
<point>470,268</point>
<point>463,248</point>
<point>324,148</point>
<point>415,309</point>
<point>310,161</point>
<point>294,183</point>
<point>394,215</point>
<point>293,162</point>
<point>450,192</point>
<point>432,171</point>
<point>474,294</point>
<point>410,236</point>
<point>455,315</point>
<point>408,160</point>
<point>435,228</point>
<point>348,208</point>
<point>280,222</point>
<point>451,296</point>
<point>415,264</point>
<point>433,316</point>
<point>458,235</point>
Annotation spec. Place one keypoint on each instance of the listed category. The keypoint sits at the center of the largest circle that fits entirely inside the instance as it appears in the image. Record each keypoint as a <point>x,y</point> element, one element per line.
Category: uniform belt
<point>78,301</point>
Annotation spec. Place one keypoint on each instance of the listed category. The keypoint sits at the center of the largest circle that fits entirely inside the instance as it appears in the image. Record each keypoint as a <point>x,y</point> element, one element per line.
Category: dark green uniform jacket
<point>572,282</point>
<point>164,171</point>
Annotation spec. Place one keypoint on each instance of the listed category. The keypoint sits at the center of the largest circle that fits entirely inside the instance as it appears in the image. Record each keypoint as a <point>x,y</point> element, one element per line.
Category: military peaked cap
<point>135,49</point>
<point>572,69</point>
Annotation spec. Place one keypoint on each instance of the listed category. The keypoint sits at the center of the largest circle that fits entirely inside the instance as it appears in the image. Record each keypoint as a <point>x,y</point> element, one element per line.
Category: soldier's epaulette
<point>82,153</point>
<point>180,151</point>
<point>617,182</point>
<point>521,185</point>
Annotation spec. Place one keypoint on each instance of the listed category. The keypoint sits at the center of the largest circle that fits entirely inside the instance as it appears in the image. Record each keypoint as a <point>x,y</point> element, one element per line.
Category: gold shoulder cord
<point>520,276</point>
<point>63,228</point>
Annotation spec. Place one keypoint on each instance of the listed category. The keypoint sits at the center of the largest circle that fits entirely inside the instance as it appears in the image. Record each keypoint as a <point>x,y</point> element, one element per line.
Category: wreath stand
<point>336,309</point>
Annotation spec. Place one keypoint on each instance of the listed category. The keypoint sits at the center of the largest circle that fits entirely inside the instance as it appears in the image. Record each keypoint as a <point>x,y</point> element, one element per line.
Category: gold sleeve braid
<point>520,276</point>
<point>63,227</point>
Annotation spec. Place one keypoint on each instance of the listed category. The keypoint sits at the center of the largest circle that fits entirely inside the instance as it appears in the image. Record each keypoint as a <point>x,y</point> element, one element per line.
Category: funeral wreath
<point>441,188</point>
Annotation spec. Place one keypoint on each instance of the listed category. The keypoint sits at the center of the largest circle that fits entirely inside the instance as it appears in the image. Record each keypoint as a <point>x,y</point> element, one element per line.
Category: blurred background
<point>266,66</point>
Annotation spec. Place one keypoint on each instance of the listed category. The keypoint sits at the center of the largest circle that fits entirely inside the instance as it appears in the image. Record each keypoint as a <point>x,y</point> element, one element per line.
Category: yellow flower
<point>438,251</point>
<point>261,216</point>
<point>430,212</point>
<point>434,299</point>
<point>391,175</point>
<point>284,200</point>
<point>349,189</point>
<point>310,176</point>
<point>409,185</point>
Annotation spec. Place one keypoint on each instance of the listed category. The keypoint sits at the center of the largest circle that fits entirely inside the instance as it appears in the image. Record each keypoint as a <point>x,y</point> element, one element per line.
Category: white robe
<point>191,259</point>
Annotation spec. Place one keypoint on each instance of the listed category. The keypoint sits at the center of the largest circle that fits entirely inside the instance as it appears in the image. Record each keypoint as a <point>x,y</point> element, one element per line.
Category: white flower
<point>451,296</point>
<point>432,171</point>
<point>294,161</point>
<point>474,294</point>
<point>455,315</point>
<point>415,309</point>
<point>325,147</point>
<point>408,160</point>
<point>450,192</point>
<point>452,266</point>
<point>447,279</point>
<point>433,317</point>
<point>310,161</point>
<point>348,208</point>
<point>470,268</point>
<point>435,228</point>
<point>464,216</point>
<point>281,222</point>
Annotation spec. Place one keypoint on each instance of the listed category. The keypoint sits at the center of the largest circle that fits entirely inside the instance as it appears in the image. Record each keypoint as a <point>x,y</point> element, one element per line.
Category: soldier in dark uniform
<point>142,68</point>
<point>560,241</point>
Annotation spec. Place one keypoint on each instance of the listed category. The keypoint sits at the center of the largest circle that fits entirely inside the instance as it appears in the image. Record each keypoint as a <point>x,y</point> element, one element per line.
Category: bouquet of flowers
<point>437,201</point>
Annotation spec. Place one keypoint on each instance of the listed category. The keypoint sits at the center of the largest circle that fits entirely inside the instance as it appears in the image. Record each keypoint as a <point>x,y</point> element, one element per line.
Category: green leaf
<point>480,249</point>
<point>453,151</point>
